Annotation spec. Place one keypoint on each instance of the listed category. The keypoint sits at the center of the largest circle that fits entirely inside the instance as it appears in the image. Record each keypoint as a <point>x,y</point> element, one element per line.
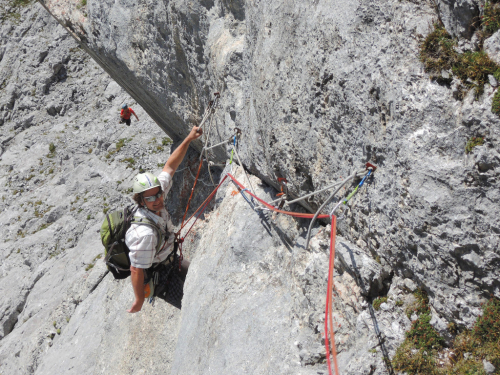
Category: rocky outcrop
<point>57,296</point>
<point>318,90</point>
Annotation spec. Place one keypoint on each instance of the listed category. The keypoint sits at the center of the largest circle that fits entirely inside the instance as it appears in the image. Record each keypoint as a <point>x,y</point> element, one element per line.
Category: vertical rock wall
<point>318,90</point>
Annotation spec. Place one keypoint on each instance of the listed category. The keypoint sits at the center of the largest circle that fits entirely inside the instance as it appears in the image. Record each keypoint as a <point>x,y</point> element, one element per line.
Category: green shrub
<point>421,304</point>
<point>424,336</point>
<point>416,355</point>
<point>121,143</point>
<point>130,162</point>
<point>473,142</point>
<point>487,328</point>
<point>20,3</point>
<point>413,361</point>
<point>481,342</point>
<point>475,66</point>
<point>490,19</point>
<point>52,148</point>
<point>43,226</point>
<point>378,302</point>
<point>495,105</point>
<point>437,53</point>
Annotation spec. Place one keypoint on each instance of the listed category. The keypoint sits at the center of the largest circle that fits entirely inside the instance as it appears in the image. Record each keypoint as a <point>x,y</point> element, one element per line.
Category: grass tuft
<point>437,52</point>
<point>495,105</point>
<point>418,353</point>
<point>491,18</point>
<point>378,302</point>
<point>438,55</point>
<point>473,142</point>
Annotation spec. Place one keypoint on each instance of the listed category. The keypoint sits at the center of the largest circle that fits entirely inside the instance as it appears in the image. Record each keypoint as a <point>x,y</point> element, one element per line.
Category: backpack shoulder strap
<point>140,220</point>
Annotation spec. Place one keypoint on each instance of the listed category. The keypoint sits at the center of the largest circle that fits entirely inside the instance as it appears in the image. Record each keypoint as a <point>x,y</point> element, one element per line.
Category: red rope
<point>328,307</point>
<point>192,191</point>
<point>294,214</point>
<point>202,208</point>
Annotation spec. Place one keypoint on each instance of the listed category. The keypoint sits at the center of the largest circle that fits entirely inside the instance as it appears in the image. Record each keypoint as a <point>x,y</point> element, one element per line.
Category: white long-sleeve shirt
<point>142,239</point>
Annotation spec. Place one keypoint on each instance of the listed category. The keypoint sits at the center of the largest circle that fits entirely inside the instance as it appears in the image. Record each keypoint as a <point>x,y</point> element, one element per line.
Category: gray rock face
<point>318,90</point>
<point>59,307</point>
<point>492,47</point>
<point>458,16</point>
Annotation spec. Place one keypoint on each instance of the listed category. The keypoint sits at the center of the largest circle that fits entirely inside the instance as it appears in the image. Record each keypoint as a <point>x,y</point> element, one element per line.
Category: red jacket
<point>126,113</point>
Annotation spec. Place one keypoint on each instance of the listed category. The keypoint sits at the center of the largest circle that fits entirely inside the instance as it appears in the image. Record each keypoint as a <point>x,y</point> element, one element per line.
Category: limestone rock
<point>317,90</point>
<point>492,47</point>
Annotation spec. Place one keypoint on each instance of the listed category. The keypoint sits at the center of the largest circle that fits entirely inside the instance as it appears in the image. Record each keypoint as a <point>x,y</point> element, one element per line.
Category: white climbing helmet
<point>145,181</point>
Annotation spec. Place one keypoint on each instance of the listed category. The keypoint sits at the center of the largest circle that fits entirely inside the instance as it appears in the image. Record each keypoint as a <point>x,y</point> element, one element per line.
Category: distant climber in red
<point>125,114</point>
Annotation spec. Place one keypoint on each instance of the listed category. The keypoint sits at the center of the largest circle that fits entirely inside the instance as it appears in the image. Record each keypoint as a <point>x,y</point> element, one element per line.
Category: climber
<point>125,114</point>
<point>150,254</point>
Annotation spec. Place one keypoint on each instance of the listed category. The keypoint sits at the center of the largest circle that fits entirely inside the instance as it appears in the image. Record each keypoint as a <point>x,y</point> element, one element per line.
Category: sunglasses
<point>153,197</point>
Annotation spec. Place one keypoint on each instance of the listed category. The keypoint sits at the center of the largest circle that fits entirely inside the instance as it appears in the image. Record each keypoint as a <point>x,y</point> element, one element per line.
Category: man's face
<point>157,204</point>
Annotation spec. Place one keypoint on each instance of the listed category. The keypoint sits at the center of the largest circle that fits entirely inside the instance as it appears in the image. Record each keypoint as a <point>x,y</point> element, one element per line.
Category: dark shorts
<point>126,121</point>
<point>169,281</point>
